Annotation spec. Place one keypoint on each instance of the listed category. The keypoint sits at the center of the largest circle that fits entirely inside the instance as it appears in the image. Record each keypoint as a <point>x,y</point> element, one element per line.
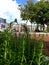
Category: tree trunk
<point>31,27</point>
<point>37,30</point>
<point>43,27</point>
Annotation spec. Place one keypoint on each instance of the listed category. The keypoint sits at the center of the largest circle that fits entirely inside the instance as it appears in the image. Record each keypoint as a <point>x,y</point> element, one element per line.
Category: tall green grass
<point>21,50</point>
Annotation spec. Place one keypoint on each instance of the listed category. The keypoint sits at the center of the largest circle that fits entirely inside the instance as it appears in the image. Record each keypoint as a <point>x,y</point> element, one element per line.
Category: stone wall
<point>46,41</point>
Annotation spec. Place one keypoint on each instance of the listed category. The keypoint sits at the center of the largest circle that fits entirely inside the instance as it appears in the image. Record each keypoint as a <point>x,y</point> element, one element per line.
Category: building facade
<point>3,24</point>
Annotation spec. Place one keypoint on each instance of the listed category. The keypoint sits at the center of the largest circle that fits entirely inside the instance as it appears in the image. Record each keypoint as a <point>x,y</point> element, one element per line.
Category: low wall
<point>39,35</point>
<point>46,40</point>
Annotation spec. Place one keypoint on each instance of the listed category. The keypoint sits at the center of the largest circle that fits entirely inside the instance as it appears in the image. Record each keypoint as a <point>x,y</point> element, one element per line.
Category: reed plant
<point>21,50</point>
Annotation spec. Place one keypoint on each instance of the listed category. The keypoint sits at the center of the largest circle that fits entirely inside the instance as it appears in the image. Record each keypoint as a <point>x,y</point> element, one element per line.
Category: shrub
<point>21,50</point>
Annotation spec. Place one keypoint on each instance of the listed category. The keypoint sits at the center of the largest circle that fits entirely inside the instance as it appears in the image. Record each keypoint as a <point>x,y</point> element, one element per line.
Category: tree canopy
<point>15,20</point>
<point>27,12</point>
<point>38,12</point>
<point>42,12</point>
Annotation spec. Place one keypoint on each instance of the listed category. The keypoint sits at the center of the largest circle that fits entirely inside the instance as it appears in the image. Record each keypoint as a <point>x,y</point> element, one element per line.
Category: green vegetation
<point>15,20</point>
<point>21,50</point>
<point>38,12</point>
<point>27,12</point>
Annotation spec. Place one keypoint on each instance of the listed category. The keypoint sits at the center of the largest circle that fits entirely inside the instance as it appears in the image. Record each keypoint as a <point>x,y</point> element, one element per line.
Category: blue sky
<point>22,2</point>
<point>9,9</point>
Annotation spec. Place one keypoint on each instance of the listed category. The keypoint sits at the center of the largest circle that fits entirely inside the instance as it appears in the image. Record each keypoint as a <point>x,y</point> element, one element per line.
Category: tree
<point>38,12</point>
<point>42,12</point>
<point>44,0</point>
<point>27,12</point>
<point>10,25</point>
<point>15,20</point>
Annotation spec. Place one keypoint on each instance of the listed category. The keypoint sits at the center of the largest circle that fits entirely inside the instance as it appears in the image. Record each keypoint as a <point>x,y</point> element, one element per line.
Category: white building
<point>3,24</point>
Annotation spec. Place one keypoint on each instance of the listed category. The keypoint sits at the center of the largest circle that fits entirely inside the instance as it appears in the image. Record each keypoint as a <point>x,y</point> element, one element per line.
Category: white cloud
<point>9,10</point>
<point>38,0</point>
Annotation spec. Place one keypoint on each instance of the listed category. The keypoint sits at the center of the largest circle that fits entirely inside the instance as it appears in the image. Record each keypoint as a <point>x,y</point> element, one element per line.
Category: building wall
<point>3,24</point>
<point>2,20</point>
